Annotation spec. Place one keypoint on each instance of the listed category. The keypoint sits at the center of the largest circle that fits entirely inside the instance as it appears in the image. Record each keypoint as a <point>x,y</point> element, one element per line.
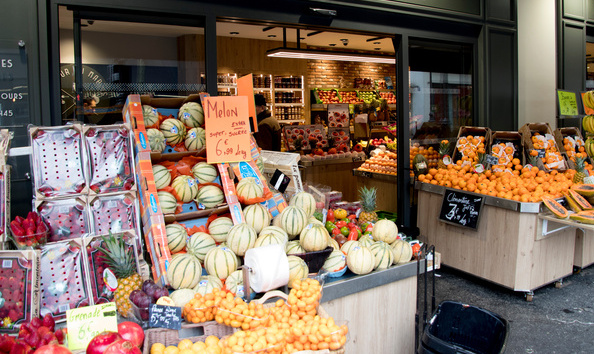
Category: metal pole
<point>78,74</point>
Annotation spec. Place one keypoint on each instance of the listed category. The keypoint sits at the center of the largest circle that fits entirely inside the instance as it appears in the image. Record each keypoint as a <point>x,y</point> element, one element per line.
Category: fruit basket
<point>326,96</point>
<point>27,233</point>
<point>66,218</point>
<point>193,332</point>
<point>315,260</point>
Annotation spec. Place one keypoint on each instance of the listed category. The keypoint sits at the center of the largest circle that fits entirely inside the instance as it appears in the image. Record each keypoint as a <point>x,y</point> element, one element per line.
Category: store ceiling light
<point>297,53</point>
<point>234,33</point>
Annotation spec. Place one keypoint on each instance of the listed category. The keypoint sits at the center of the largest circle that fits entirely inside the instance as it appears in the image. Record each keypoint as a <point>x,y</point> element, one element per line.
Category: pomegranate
<point>131,331</point>
<point>100,342</point>
<point>52,349</point>
<point>122,346</point>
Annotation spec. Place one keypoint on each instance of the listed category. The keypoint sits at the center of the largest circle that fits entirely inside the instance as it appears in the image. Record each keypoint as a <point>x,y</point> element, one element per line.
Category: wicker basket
<point>194,332</point>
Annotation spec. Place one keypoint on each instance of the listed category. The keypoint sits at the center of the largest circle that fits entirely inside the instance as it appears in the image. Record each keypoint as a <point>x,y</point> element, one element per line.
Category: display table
<point>380,308</point>
<point>335,173</point>
<point>513,246</point>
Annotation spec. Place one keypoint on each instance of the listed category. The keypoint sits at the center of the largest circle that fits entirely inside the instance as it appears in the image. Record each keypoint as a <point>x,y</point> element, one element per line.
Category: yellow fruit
<point>184,344</point>
<point>157,348</point>
<point>165,301</point>
<point>340,213</point>
<point>186,351</point>
<point>211,341</point>
<point>198,346</point>
<point>171,350</point>
<point>213,350</point>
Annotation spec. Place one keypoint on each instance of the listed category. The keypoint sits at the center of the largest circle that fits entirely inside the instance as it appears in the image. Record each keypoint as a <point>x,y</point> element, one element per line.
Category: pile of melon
<point>183,133</point>
<point>187,188</point>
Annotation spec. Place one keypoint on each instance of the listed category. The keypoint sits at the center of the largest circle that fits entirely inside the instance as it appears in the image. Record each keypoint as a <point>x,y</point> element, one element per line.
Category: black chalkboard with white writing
<point>461,208</point>
<point>165,316</point>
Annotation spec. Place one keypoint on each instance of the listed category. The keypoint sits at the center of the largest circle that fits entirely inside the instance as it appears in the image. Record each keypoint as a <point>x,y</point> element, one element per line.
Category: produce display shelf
<point>550,218</point>
<point>380,176</point>
<point>489,200</point>
<point>327,162</point>
<point>296,104</point>
<point>291,121</point>
<point>288,89</point>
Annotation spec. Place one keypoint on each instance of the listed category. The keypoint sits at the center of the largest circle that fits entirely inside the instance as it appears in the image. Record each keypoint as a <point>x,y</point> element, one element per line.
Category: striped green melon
<point>204,172</point>
<point>167,201</point>
<point>268,239</point>
<point>279,232</point>
<point>195,139</point>
<point>207,283</point>
<point>210,196</point>
<point>199,244</point>
<point>366,241</point>
<point>220,261</point>
<point>176,237</point>
<point>292,220</point>
<point>257,216</point>
<point>150,116</point>
<point>156,140</point>
<point>241,238</point>
<point>184,271</point>
<point>162,176</point>
<point>185,187</point>
<point>314,239</point>
<point>297,269</point>
<point>219,228</point>
<point>402,251</point>
<point>335,261</point>
<point>234,283</point>
<point>249,188</point>
<point>304,201</point>
<point>385,230</point>
<point>276,221</point>
<point>360,260</point>
<point>294,247</point>
<point>173,130</point>
<point>191,114</point>
<point>333,243</point>
<point>383,255</point>
<point>348,246</point>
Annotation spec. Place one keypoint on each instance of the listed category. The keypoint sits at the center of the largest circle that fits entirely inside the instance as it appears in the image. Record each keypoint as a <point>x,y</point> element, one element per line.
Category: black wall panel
<point>502,10</point>
<point>575,9</point>
<point>573,61</point>
<point>501,80</point>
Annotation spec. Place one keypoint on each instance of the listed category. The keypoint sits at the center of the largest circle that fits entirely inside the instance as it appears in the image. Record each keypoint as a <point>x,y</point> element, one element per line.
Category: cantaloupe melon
<point>234,283</point>
<point>347,246</point>
<point>150,116</point>
<point>294,247</point>
<point>219,228</point>
<point>335,261</point>
<point>313,220</point>
<point>207,283</point>
<point>292,220</point>
<point>185,187</point>
<point>173,130</point>
<point>191,114</point>
<point>366,240</point>
<point>204,172</point>
<point>176,237</point>
<point>383,255</point>
<point>268,239</point>
<point>297,269</point>
<point>385,230</point>
<point>181,297</point>
<point>156,140</point>
<point>304,201</point>
<point>333,243</point>
<point>162,176</point>
<point>279,232</point>
<point>195,139</point>
<point>257,216</point>
<point>241,238</point>
<point>167,201</point>
<point>199,244</point>
<point>314,238</point>
<point>249,188</point>
<point>402,251</point>
<point>210,196</point>
<point>360,260</point>
<point>220,261</point>
<point>184,271</point>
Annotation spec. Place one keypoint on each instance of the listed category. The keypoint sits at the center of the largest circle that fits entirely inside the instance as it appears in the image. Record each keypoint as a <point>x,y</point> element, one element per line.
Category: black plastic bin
<point>460,328</point>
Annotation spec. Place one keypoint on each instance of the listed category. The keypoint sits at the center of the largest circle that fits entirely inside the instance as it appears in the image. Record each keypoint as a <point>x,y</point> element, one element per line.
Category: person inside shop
<point>268,136</point>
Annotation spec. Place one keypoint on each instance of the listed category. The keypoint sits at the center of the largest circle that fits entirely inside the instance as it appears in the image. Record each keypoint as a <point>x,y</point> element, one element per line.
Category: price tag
<point>165,316</point>
<point>567,103</point>
<point>227,129</point>
<point>492,160</point>
<point>461,208</point>
<point>541,153</point>
<point>86,322</point>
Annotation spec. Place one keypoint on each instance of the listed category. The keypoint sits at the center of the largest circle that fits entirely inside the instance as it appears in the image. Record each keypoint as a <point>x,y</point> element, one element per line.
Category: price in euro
<point>227,148</point>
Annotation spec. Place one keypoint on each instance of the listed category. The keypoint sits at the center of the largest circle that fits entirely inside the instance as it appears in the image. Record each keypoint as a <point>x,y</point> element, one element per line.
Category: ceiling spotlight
<point>344,40</point>
<point>377,48</point>
<point>332,44</point>
<point>376,42</point>
<point>272,36</point>
<point>233,33</point>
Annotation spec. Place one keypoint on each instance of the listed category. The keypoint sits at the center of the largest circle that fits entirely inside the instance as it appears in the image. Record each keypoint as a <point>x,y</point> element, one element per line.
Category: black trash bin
<point>459,328</point>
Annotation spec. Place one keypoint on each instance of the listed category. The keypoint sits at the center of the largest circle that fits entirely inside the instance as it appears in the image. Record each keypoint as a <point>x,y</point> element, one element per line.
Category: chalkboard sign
<point>165,316</point>
<point>461,208</point>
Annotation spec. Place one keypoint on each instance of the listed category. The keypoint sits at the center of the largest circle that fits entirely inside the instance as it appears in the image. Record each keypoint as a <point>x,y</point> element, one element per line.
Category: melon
<point>314,238</point>
<point>360,260</point>
<point>366,240</point>
<point>207,283</point>
<point>402,251</point>
<point>173,130</point>
<point>313,220</point>
<point>176,237</point>
<point>294,247</point>
<point>185,187</point>
<point>162,176</point>
<point>199,244</point>
<point>249,188</point>
<point>292,220</point>
<point>195,139</point>
<point>219,228</point>
<point>383,255</point>
<point>268,239</point>
<point>304,201</point>
<point>204,172</point>
<point>210,196</point>
<point>347,246</point>
<point>385,230</point>
<point>220,261</point>
<point>279,232</point>
<point>297,269</point>
<point>150,116</point>
<point>167,201</point>
<point>234,283</point>
<point>181,297</point>
<point>191,114</point>
<point>335,261</point>
<point>276,221</point>
<point>257,216</point>
<point>156,140</point>
<point>333,243</point>
<point>184,271</point>
<point>241,238</point>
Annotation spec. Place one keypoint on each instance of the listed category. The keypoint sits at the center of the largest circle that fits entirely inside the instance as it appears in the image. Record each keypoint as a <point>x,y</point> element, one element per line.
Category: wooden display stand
<point>584,248</point>
<point>509,247</point>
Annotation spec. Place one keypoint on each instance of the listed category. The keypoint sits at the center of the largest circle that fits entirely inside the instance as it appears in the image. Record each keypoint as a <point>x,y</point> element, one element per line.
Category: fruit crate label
<point>461,208</point>
<point>165,316</point>
<point>86,322</point>
<point>7,263</point>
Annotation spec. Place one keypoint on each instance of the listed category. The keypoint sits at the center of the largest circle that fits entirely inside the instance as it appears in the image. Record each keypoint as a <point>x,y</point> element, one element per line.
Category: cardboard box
<point>19,305</point>
<point>529,129</point>
<point>560,134</point>
<point>509,137</point>
<point>474,131</point>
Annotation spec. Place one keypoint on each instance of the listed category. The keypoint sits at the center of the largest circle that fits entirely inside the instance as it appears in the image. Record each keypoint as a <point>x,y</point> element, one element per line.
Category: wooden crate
<point>560,134</point>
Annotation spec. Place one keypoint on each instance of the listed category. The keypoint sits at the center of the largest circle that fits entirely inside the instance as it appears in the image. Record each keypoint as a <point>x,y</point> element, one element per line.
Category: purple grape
<point>146,284</point>
<point>159,293</point>
<point>144,314</point>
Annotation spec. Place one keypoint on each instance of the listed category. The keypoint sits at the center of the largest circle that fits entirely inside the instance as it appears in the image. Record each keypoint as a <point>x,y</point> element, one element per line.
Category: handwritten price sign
<point>227,129</point>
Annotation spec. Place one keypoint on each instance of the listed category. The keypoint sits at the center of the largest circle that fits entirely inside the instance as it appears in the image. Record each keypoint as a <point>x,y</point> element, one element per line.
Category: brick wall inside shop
<point>339,74</point>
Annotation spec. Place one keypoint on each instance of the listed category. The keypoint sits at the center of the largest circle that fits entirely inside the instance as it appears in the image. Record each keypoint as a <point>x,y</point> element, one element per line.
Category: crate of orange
<point>573,144</point>
<point>264,340</point>
<point>540,146</point>
<point>470,144</point>
<point>507,148</point>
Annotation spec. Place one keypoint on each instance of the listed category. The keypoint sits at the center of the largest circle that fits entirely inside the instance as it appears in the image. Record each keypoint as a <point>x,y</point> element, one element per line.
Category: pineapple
<point>581,172</point>
<point>444,149</point>
<point>532,160</point>
<point>367,198</point>
<point>119,258</point>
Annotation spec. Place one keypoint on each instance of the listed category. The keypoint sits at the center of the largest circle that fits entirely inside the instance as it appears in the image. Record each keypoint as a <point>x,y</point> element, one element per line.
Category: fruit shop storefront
<point>90,85</point>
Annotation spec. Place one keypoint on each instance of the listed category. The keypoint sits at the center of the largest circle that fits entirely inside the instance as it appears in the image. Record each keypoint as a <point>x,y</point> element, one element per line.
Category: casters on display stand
<point>529,296</point>
<point>559,283</point>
